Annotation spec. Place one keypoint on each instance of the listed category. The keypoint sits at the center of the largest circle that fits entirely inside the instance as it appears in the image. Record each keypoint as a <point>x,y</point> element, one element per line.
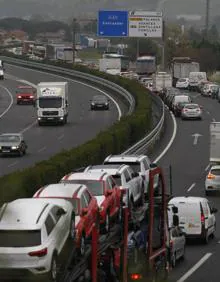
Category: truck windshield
<point>50,102</point>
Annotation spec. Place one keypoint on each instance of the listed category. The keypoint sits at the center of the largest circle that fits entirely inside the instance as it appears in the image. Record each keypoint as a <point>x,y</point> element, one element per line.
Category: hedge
<point>117,138</point>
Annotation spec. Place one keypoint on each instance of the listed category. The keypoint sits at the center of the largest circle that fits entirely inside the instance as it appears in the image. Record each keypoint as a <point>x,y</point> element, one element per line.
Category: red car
<point>103,187</point>
<point>85,207</point>
<point>25,94</point>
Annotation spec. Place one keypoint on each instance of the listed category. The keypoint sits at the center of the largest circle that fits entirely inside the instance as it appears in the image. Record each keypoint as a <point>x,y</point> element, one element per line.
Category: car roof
<point>9,134</point>
<point>88,175</point>
<point>191,104</point>
<point>109,168</point>
<point>99,97</point>
<point>26,212</point>
<point>126,158</point>
<point>186,199</point>
<point>61,190</point>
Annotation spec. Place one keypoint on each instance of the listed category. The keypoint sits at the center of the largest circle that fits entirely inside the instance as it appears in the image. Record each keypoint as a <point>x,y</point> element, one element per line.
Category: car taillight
<point>135,276</point>
<point>31,96</point>
<point>202,218</point>
<point>211,176</point>
<point>19,96</point>
<point>40,253</point>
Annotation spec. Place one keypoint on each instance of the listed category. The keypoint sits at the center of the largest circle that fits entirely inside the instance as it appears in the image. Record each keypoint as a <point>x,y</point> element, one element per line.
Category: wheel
<point>52,275</point>
<point>21,153</point>
<point>107,222</point>
<point>173,260</point>
<point>82,247</point>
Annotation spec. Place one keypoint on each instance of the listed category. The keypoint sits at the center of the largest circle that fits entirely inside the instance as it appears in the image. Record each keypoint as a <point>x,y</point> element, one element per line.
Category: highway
<point>189,159</point>
<point>45,141</point>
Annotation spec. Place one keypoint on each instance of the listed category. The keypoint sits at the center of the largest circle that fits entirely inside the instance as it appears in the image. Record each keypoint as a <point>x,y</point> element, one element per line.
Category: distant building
<point>51,37</point>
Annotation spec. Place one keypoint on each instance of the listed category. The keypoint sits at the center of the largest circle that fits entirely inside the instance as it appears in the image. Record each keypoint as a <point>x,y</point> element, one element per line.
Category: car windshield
<point>117,179</point>
<point>20,238</point>
<point>100,99</point>
<point>95,186</point>
<point>192,107</point>
<point>181,99</point>
<point>25,90</point>
<point>134,165</point>
<point>50,102</point>
<point>9,138</point>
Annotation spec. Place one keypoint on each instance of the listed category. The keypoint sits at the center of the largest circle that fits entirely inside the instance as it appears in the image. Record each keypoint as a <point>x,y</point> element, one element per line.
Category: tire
<point>52,275</point>
<point>72,232</point>
<point>21,153</point>
<point>82,249</point>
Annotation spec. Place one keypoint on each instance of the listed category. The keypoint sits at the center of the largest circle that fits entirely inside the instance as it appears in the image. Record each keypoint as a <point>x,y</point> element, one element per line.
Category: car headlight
<point>19,97</point>
<point>14,147</point>
<point>106,104</point>
<point>93,104</point>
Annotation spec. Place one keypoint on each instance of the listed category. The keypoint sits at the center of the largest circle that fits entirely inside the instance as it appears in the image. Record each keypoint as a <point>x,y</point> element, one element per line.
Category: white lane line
<point>41,149</point>
<point>208,113</point>
<point>195,267</point>
<point>79,82</point>
<point>28,127</point>
<point>191,187</point>
<point>218,242</point>
<point>207,168</point>
<point>171,140</point>
<point>60,137</point>
<point>196,96</point>
<point>11,103</point>
<point>13,164</point>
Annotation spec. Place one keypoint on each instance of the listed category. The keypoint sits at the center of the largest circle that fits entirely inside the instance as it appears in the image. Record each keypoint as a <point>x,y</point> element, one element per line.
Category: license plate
<point>5,151</point>
<point>50,118</point>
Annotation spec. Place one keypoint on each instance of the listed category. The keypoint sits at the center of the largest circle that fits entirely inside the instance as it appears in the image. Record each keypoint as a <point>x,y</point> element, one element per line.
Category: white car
<point>196,217</point>
<point>128,180</point>
<point>182,83</point>
<point>177,244</point>
<point>139,163</point>
<point>212,182</point>
<point>33,232</point>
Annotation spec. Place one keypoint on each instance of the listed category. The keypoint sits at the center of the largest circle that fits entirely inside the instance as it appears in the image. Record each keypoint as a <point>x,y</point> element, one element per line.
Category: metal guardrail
<point>78,75</point>
<point>140,147</point>
<point>149,140</point>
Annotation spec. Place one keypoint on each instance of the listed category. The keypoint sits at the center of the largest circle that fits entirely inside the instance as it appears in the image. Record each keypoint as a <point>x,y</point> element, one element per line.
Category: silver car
<point>177,244</point>
<point>212,182</point>
<point>191,111</point>
<point>12,144</point>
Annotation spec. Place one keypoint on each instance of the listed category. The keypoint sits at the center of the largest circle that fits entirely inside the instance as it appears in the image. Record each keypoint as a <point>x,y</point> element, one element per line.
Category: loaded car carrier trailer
<point>107,257</point>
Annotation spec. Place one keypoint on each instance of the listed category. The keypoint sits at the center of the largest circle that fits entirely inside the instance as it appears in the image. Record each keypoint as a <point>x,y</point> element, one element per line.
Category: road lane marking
<point>171,139</point>
<point>207,168</point>
<point>208,113</point>
<point>195,267</point>
<point>28,127</point>
<point>79,82</point>
<point>11,103</point>
<point>13,164</point>
<point>191,187</point>
<point>41,149</point>
<point>60,137</point>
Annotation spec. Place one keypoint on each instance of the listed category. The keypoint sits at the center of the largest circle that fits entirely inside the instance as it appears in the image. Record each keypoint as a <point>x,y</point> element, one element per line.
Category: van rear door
<point>189,217</point>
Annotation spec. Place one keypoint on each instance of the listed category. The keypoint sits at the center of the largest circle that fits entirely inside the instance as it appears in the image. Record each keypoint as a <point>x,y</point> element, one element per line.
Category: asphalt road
<point>189,161</point>
<point>43,142</point>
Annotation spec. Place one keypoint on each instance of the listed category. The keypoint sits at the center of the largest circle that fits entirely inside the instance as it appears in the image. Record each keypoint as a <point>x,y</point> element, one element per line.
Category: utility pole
<point>163,47</point>
<point>207,18</point>
<point>74,39</point>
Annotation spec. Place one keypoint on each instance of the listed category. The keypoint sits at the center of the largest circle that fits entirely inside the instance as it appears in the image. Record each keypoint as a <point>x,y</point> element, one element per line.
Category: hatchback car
<point>25,95</point>
<point>12,144</point>
<point>191,111</point>
<point>33,235</point>
<point>182,83</point>
<point>99,102</point>
<point>212,182</point>
<point>129,181</point>
<point>103,187</point>
<point>177,244</point>
<point>84,205</point>
<point>184,98</point>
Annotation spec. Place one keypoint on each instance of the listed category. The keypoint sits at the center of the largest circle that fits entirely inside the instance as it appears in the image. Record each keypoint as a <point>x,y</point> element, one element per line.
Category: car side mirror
<point>108,192</point>
<point>60,212</point>
<point>214,210</point>
<point>153,165</point>
<point>135,174</point>
<point>175,209</point>
<point>175,220</point>
<point>84,211</point>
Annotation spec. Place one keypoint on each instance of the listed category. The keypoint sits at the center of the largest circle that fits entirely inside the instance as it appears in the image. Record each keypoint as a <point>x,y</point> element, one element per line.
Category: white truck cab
<point>52,102</point>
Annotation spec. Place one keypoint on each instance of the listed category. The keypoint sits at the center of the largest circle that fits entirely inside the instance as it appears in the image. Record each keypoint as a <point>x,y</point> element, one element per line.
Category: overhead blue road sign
<point>112,23</point>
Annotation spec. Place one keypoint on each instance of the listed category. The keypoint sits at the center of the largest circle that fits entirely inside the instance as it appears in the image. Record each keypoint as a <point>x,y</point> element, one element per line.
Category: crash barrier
<point>117,139</point>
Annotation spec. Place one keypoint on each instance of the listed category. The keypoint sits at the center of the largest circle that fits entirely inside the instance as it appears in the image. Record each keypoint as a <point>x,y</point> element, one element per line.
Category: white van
<point>196,217</point>
<point>195,78</point>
